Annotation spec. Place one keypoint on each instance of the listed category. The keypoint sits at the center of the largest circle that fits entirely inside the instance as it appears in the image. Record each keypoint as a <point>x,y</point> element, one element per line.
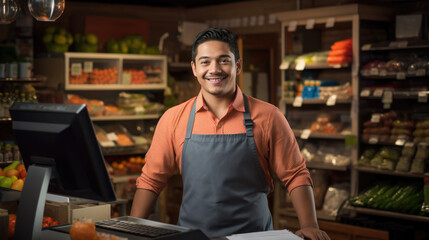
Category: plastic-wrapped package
<point>403,164</point>
<point>418,165</point>
<point>334,198</point>
<point>309,151</point>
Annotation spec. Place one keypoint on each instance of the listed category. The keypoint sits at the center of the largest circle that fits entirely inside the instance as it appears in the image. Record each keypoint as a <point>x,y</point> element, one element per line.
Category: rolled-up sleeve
<point>286,160</point>
<point>160,159</point>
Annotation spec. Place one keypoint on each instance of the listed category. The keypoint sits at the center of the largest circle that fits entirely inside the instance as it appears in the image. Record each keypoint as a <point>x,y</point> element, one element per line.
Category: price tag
<point>305,134</point>
<point>284,66</point>
<point>292,26</point>
<point>310,24</point>
<point>76,69</point>
<point>422,96</point>
<point>300,66</point>
<point>373,140</point>
<point>378,92</point>
<point>107,144</point>
<point>400,141</point>
<point>365,93</point>
<point>401,75</point>
<point>330,22</point>
<point>297,102</point>
<point>87,67</point>
<point>387,97</point>
<point>126,78</point>
<point>375,117</point>
<point>366,47</point>
<point>112,136</point>
<point>331,100</point>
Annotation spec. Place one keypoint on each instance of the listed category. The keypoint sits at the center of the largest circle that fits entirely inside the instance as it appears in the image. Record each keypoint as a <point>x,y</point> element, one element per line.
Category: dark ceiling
<point>166,3</point>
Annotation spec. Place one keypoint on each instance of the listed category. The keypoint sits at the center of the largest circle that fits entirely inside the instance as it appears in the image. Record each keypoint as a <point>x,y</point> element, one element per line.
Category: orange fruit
<point>83,231</point>
<point>20,167</point>
<point>22,173</point>
<point>12,172</point>
<point>17,185</point>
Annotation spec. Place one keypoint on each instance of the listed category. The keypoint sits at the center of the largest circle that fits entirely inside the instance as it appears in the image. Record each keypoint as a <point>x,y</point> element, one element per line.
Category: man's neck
<point>218,105</point>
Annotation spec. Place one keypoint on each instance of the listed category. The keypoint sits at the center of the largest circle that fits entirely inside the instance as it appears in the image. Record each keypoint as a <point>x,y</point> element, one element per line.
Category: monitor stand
<point>32,203</point>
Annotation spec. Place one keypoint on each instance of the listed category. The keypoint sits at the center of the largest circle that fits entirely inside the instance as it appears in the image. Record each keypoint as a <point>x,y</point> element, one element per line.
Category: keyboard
<point>135,228</point>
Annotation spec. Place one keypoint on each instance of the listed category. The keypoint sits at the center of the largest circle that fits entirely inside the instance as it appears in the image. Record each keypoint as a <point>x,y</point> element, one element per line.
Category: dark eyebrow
<point>221,56</point>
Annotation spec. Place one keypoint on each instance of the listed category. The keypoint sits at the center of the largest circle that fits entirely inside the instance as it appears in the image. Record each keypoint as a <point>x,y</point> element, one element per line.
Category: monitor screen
<point>62,136</point>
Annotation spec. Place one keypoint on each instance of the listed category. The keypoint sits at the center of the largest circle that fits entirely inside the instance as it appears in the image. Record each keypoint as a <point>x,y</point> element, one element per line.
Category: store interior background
<point>261,46</point>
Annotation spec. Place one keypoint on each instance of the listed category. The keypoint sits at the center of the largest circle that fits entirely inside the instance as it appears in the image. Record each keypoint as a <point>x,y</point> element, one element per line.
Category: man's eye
<point>224,61</point>
<point>204,62</point>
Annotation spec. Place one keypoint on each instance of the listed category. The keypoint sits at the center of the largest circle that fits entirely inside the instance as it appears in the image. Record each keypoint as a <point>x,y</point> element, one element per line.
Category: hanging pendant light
<point>8,11</point>
<point>46,10</point>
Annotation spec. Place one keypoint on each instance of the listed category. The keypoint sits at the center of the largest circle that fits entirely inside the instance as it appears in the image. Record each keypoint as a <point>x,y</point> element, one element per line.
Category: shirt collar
<point>237,104</point>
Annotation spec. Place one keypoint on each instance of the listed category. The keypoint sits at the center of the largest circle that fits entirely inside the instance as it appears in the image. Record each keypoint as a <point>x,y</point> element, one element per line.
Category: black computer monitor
<point>61,152</point>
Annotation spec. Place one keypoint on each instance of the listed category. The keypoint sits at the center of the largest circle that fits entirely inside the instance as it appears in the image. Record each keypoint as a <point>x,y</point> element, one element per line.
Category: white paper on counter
<point>266,235</point>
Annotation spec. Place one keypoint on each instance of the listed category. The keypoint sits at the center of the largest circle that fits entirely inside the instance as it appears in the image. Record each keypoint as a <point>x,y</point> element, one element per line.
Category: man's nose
<point>214,67</point>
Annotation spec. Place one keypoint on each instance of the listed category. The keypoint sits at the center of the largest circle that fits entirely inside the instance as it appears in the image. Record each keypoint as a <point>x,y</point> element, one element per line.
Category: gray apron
<point>224,189</point>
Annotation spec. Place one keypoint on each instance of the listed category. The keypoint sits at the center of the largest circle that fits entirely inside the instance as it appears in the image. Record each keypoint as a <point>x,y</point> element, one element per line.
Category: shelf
<point>126,117</point>
<point>396,94</point>
<point>23,80</point>
<point>103,87</point>
<point>390,172</point>
<point>321,215</point>
<point>396,45</point>
<point>389,214</point>
<point>314,66</point>
<point>321,135</point>
<point>326,166</point>
<point>318,101</point>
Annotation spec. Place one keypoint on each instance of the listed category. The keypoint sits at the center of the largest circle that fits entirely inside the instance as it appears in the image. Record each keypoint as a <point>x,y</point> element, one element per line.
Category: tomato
<point>83,231</point>
<point>48,220</point>
<point>45,225</point>
<point>54,223</point>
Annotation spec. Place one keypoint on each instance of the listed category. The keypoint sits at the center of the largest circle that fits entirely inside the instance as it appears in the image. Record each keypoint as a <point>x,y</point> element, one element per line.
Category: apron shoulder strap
<point>248,123</point>
<point>191,121</point>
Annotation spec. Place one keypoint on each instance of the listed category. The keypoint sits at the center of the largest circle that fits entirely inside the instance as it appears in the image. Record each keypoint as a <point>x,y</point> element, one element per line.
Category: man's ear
<point>193,68</point>
<point>238,66</point>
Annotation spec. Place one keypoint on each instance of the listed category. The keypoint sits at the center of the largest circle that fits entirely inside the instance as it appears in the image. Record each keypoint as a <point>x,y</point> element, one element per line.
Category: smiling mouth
<point>215,80</point>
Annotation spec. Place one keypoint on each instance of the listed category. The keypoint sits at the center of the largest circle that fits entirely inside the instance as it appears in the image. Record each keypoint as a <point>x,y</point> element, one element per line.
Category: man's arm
<point>303,202</point>
<point>143,203</point>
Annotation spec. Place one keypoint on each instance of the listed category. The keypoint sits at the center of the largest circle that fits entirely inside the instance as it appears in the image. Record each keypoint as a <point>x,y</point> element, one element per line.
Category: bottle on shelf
<point>8,155</point>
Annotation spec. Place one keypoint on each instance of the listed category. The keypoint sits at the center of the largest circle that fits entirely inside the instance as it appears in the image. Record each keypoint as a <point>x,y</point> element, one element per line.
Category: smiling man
<point>226,146</point>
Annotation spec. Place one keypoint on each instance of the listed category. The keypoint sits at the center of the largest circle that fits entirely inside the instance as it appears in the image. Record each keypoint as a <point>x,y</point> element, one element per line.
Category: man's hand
<point>312,233</point>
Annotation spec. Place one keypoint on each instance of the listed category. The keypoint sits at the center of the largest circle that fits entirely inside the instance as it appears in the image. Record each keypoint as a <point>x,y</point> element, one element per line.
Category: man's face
<point>216,69</point>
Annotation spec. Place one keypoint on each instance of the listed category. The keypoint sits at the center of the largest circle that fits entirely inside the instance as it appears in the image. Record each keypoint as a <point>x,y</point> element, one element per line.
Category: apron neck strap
<point>248,123</point>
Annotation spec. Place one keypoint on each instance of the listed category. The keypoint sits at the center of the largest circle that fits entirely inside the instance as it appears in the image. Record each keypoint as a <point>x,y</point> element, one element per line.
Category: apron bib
<point>224,189</point>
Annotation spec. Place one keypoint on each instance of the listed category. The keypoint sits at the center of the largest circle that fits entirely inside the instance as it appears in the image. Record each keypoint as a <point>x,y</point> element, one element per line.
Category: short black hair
<point>216,34</point>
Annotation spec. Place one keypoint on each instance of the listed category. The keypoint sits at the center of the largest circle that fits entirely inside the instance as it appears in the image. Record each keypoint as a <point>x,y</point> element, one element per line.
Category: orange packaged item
<point>124,140</point>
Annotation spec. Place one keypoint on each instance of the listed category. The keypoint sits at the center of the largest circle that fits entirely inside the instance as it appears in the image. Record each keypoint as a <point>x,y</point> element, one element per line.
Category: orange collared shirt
<point>277,149</point>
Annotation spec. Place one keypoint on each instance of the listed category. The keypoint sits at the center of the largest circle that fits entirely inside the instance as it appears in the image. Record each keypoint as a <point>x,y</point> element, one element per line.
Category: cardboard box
<point>67,213</point>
